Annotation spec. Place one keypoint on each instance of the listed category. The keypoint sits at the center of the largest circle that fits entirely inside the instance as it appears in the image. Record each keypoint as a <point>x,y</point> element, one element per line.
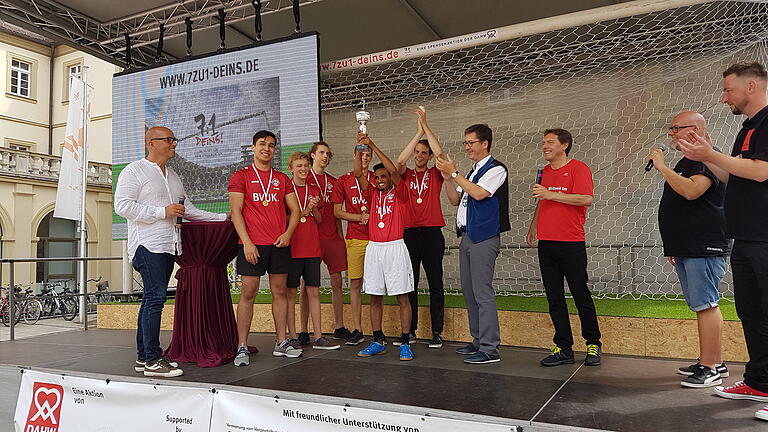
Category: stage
<point>623,394</point>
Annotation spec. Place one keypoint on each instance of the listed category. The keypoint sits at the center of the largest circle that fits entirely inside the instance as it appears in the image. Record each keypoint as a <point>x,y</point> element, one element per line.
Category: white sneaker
<point>162,369</point>
<point>285,349</point>
<point>762,414</point>
<point>243,357</point>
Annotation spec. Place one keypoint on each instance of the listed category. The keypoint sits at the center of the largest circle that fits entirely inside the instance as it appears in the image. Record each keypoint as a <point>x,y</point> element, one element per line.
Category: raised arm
<point>393,170</point>
<point>434,143</point>
<point>402,160</point>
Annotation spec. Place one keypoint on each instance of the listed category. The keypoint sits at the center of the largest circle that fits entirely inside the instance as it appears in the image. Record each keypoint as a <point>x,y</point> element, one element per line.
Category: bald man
<point>147,195</point>
<point>692,226</point>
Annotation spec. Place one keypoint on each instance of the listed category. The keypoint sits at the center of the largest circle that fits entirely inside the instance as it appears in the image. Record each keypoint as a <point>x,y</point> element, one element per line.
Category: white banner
<point>57,403</point>
<point>69,193</point>
<point>238,412</point>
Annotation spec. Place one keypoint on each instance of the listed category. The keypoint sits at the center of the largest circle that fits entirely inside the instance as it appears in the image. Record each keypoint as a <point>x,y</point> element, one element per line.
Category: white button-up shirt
<point>141,196</point>
<point>491,181</point>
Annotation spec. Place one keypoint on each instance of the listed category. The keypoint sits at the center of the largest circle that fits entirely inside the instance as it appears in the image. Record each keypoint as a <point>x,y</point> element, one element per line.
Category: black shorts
<point>308,268</point>
<point>272,260</point>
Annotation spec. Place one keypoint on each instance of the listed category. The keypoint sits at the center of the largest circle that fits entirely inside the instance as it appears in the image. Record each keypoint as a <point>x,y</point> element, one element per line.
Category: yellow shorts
<point>355,257</point>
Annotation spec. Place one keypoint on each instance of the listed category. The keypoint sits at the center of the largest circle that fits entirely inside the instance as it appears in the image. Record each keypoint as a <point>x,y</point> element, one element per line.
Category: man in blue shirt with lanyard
<point>483,214</point>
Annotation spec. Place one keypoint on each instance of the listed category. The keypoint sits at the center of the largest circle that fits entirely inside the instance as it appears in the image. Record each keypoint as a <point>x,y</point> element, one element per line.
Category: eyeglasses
<point>676,129</point>
<point>169,140</point>
<point>466,143</point>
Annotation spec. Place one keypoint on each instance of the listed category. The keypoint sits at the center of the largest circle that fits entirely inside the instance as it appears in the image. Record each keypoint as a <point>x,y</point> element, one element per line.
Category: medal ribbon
<point>269,183</point>
<point>421,185</point>
<point>306,196</point>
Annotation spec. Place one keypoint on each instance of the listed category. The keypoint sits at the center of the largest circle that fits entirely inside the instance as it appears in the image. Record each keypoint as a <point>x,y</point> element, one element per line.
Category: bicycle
<point>58,303</point>
<point>5,312</point>
<point>31,307</point>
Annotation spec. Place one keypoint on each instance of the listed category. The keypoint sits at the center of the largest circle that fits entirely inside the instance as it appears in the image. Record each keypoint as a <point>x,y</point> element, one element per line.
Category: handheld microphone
<point>649,165</point>
<point>178,218</point>
<point>539,173</point>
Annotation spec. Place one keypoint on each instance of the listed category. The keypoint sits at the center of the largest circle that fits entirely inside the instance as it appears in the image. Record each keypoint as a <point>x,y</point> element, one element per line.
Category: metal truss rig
<point>106,40</point>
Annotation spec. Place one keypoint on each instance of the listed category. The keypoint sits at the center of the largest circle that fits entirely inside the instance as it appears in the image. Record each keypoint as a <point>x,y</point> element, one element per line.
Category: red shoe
<point>762,414</point>
<point>741,390</point>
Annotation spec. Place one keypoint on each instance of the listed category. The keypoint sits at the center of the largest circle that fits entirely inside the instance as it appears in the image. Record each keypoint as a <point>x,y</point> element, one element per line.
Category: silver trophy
<point>362,117</point>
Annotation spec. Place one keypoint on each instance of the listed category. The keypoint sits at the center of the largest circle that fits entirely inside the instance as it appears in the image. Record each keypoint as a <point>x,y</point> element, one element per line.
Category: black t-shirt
<point>746,201</point>
<point>693,228</point>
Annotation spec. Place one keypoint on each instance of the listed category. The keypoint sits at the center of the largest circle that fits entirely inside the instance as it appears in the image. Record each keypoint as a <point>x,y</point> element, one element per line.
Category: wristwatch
<point>454,174</point>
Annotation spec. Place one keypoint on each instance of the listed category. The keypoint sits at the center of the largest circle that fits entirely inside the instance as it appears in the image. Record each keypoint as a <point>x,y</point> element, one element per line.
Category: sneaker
<point>294,343</point>
<point>558,357</point>
<point>467,350</point>
<point>324,344</point>
<point>141,364</point>
<point>593,355</point>
<point>406,353</point>
<point>411,339</point>
<point>285,349</point>
<point>436,341</point>
<point>721,368</point>
<point>342,333</point>
<point>243,356</point>
<point>741,390</point>
<point>762,414</point>
<point>303,338</point>
<point>355,338</point>
<point>372,349</point>
<point>481,357</point>
<point>161,368</point>
<point>701,378</point>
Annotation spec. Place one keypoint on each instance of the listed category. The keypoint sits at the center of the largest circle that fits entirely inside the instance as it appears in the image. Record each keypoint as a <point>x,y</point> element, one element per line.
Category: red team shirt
<point>428,213</point>
<point>325,184</point>
<point>348,192</point>
<point>264,223</point>
<point>558,221</point>
<point>305,242</point>
<point>391,208</point>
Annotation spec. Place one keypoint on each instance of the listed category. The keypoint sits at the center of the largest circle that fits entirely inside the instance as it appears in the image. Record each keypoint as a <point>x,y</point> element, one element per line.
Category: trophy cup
<point>362,118</point>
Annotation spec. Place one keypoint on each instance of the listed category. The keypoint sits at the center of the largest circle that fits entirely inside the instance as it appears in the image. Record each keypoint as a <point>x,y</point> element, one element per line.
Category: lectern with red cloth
<point>204,326</point>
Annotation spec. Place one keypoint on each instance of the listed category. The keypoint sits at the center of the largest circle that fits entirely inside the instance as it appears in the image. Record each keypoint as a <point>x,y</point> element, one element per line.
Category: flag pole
<point>83,245</point>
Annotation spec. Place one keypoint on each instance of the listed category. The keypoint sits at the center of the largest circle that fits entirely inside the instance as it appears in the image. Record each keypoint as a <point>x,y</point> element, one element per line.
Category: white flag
<point>69,193</point>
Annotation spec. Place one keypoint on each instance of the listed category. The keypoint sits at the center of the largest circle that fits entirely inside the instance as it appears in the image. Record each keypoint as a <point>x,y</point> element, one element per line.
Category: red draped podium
<point>204,326</point>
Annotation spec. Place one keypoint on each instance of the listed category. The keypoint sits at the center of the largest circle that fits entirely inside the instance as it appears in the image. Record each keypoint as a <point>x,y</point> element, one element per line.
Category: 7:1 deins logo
<point>208,133</point>
<point>45,409</point>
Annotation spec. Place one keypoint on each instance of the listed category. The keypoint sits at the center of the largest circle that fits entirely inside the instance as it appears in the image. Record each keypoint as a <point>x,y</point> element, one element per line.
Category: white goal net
<point>614,84</point>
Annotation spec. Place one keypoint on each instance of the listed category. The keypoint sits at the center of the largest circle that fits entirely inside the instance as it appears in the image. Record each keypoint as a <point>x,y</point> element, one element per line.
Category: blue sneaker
<point>481,357</point>
<point>406,353</point>
<point>467,350</point>
<point>372,349</point>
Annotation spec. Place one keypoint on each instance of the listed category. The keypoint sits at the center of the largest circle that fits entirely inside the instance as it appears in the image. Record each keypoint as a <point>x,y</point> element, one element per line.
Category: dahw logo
<point>45,409</point>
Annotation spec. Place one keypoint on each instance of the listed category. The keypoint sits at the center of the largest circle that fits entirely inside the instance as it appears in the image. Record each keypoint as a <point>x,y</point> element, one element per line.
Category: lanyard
<point>421,185</point>
<point>381,209</point>
<point>360,194</point>
<point>265,202</point>
<point>306,195</point>
<point>324,188</point>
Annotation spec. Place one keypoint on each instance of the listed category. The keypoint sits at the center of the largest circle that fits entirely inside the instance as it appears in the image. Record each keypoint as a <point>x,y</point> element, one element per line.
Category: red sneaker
<point>762,414</point>
<point>741,390</point>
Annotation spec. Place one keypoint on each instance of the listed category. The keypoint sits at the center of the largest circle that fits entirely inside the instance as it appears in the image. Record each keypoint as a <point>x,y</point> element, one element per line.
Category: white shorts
<point>388,269</point>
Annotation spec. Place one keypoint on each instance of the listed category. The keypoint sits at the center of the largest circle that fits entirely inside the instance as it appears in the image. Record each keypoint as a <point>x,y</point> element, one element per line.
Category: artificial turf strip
<point>625,307</point>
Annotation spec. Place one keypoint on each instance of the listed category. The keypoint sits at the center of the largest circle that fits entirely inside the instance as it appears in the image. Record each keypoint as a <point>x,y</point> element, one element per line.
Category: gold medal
<point>363,208</point>
<point>303,219</point>
<point>265,203</point>
<point>381,224</point>
<point>419,200</point>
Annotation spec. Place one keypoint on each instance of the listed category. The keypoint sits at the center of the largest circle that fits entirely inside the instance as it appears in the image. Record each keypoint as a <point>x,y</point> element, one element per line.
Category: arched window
<point>57,238</point>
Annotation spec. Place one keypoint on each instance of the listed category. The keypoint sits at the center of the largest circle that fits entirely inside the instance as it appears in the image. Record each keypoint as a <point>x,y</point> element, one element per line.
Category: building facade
<point>33,111</point>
